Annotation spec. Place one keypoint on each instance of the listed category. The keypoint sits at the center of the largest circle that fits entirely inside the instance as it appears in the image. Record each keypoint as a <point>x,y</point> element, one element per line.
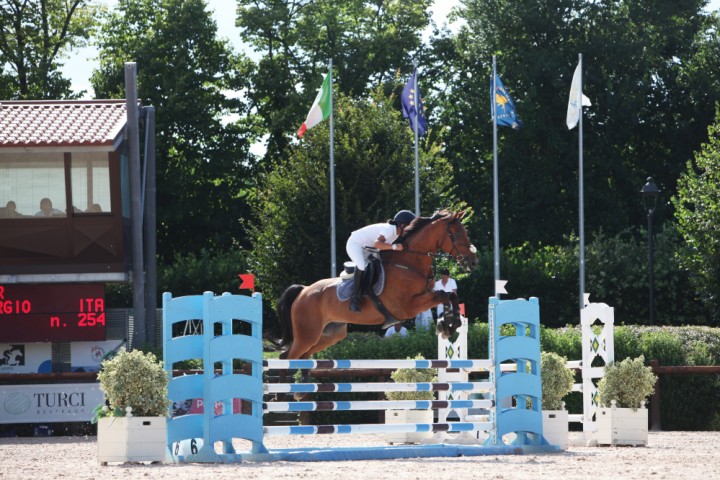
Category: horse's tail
<point>283,313</point>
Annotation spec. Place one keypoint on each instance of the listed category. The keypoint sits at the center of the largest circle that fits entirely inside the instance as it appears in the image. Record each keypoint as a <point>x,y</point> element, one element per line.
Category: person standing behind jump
<point>378,235</point>
<point>445,284</point>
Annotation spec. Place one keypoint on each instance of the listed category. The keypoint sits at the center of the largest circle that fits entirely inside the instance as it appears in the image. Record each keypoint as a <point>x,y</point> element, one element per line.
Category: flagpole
<point>581,193</point>
<point>415,128</point>
<point>333,253</point>
<point>496,202</point>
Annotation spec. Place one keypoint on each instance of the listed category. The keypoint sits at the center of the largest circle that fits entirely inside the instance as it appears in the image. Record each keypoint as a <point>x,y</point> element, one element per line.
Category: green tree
<point>367,41</point>
<point>373,179</point>
<point>204,167</point>
<point>643,72</point>
<point>34,37</point>
<point>697,210</point>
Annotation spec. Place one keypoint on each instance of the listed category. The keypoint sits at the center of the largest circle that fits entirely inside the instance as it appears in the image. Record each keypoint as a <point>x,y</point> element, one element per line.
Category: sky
<point>80,65</point>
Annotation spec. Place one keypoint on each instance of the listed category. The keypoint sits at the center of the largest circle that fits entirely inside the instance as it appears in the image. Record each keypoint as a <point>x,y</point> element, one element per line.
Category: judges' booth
<point>66,230</point>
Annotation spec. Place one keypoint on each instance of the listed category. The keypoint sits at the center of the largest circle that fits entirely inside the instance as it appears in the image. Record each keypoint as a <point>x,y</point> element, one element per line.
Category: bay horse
<point>312,318</point>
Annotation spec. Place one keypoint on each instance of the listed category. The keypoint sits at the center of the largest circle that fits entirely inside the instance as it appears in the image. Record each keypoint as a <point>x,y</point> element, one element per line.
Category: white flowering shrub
<point>134,379</point>
<point>557,380</point>
<point>629,383</point>
<point>413,375</point>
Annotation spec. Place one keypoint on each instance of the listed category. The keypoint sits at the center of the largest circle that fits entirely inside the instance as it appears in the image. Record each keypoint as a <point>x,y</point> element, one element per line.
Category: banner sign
<point>18,357</point>
<point>197,406</point>
<point>72,402</point>
<point>87,356</point>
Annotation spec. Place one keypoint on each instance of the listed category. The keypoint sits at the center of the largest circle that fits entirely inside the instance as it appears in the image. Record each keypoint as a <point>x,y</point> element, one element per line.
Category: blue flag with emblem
<point>502,105</point>
<point>412,107</point>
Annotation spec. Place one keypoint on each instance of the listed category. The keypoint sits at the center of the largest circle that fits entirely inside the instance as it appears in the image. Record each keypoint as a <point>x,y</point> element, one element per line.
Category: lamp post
<point>650,194</point>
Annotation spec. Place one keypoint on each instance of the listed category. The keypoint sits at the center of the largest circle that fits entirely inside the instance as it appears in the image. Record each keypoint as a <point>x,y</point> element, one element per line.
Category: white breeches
<point>357,254</point>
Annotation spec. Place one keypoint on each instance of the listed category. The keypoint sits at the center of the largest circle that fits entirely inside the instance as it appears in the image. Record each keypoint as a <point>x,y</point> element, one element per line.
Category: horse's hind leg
<point>332,334</point>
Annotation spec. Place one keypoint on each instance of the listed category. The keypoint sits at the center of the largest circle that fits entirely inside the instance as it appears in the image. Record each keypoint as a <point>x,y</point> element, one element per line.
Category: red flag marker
<point>248,281</point>
<point>462,309</point>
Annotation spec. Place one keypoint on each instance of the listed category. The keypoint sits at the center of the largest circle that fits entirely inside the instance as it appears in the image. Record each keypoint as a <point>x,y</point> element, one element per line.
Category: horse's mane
<point>419,222</point>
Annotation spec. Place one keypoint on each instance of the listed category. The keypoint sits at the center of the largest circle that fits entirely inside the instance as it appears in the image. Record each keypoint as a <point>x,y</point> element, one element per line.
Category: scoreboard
<point>52,312</point>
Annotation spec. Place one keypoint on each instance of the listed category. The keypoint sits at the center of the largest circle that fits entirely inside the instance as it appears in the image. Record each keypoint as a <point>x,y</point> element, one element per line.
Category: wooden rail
<point>658,370</point>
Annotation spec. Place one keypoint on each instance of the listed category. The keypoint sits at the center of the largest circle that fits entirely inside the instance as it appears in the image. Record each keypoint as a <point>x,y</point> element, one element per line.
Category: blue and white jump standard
<point>514,367</point>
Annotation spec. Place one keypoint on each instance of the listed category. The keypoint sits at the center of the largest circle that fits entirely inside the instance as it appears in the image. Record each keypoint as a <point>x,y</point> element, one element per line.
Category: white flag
<point>573,112</point>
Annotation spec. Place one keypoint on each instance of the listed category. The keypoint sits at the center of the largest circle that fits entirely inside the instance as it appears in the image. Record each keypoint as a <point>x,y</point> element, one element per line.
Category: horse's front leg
<point>443,327</point>
<point>455,321</point>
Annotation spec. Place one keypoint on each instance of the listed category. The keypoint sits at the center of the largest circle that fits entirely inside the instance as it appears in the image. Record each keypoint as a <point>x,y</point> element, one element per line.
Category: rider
<point>378,235</point>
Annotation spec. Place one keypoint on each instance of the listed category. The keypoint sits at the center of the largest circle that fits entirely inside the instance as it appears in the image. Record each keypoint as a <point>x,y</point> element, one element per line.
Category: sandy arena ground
<point>669,455</point>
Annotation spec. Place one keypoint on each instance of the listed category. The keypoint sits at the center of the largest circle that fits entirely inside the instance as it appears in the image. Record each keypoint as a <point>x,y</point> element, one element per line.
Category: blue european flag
<point>503,106</point>
<point>410,108</point>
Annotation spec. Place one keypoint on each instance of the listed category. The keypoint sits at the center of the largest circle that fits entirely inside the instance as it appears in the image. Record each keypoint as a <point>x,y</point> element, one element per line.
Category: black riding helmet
<point>402,217</point>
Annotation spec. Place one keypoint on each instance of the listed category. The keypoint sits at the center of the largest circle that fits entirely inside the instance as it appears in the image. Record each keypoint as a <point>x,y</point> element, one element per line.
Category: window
<point>28,180</point>
<point>90,180</point>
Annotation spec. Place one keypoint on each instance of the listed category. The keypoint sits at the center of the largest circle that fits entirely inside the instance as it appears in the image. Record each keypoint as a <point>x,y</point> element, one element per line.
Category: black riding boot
<point>355,299</point>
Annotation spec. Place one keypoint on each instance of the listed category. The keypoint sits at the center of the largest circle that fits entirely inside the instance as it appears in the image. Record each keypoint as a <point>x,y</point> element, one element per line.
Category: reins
<point>430,278</point>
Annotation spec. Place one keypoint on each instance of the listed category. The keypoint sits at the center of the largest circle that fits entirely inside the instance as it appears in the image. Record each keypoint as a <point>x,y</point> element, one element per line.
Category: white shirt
<point>424,320</point>
<point>367,235</point>
<point>391,331</point>
<point>450,286</point>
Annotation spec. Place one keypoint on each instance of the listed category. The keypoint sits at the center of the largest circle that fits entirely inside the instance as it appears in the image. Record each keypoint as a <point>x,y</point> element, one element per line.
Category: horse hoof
<point>299,397</point>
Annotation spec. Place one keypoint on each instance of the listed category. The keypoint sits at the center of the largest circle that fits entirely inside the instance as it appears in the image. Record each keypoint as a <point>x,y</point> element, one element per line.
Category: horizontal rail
<point>375,405</point>
<point>379,387</point>
<point>379,428</point>
<point>351,364</point>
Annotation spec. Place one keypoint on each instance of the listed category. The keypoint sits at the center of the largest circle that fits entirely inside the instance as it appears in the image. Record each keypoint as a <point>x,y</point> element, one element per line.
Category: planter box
<point>132,439</point>
<point>408,416</point>
<point>622,426</point>
<point>555,427</point>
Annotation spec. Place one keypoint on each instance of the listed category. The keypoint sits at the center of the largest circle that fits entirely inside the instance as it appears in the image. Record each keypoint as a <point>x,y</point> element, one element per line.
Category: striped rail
<point>378,428</point>
<point>479,365</point>
<point>378,387</point>
<point>374,405</point>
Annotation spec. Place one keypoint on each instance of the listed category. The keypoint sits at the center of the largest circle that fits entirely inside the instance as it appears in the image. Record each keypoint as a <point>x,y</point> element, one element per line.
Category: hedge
<point>688,402</point>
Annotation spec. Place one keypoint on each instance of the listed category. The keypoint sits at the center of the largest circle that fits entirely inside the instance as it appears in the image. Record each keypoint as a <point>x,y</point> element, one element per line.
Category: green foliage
<point>368,43</point>
<point>697,210</point>
<point>413,375</point>
<point>616,273</point>
<point>557,380</point>
<point>135,379</point>
<point>373,180</point>
<point>660,62</point>
<point>368,345</point>
<point>693,395</point>
<point>628,382</point>
<point>205,270</point>
<point>34,37</point>
<point>565,342</point>
<point>204,168</point>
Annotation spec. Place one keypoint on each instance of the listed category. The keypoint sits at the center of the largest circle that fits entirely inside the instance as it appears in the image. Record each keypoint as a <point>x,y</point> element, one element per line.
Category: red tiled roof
<point>61,123</point>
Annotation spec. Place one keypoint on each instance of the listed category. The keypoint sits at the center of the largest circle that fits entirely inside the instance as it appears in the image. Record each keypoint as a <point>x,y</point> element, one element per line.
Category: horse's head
<point>441,232</point>
<point>456,242</point>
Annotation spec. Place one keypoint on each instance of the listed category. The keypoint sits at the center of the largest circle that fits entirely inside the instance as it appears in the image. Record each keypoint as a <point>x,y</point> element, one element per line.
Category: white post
<point>449,350</point>
<point>601,345</point>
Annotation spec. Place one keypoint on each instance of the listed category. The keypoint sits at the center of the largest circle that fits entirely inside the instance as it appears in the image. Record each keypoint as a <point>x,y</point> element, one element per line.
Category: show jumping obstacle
<point>597,327</point>
<point>510,430</point>
<point>600,345</point>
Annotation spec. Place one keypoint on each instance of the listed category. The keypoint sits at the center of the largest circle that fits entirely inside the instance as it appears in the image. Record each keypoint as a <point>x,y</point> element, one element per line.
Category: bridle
<point>454,253</point>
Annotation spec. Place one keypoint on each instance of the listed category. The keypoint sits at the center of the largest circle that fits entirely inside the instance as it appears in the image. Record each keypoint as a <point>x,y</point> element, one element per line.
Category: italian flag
<point>321,108</point>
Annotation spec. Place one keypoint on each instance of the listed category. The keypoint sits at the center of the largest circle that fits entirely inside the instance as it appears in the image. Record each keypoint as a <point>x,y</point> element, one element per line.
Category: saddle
<point>372,283</point>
